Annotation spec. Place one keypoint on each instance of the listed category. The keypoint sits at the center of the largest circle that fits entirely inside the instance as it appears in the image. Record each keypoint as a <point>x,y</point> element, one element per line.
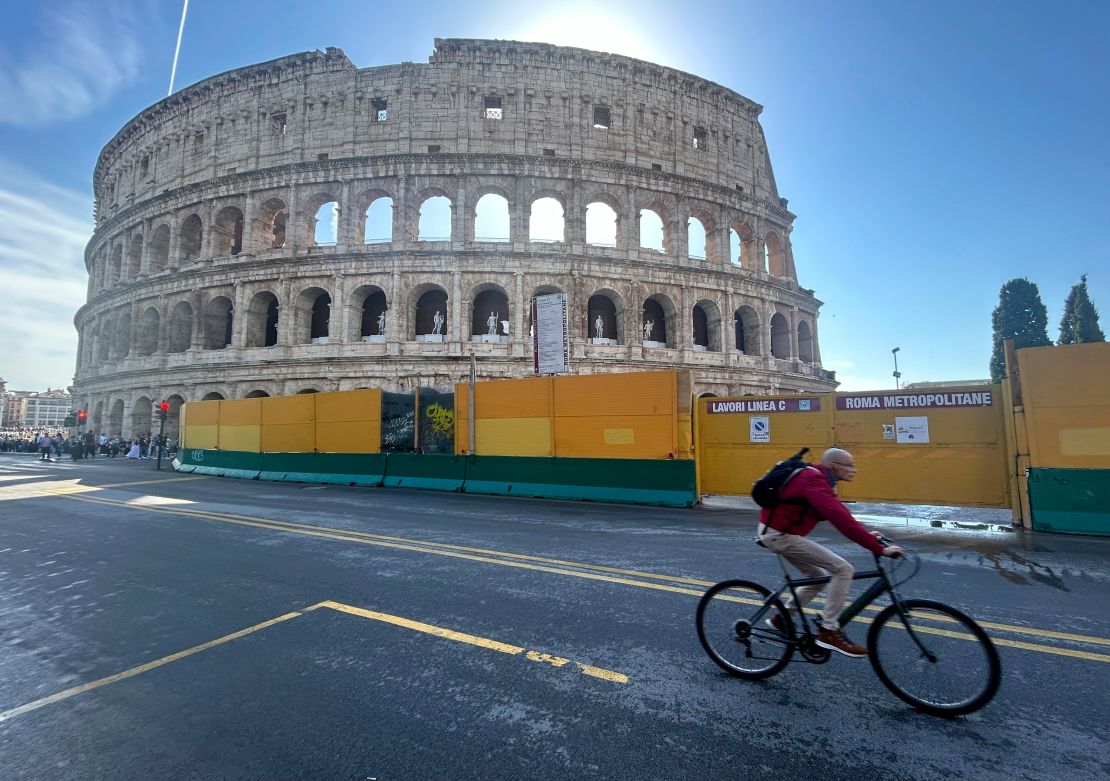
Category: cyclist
<point>808,498</point>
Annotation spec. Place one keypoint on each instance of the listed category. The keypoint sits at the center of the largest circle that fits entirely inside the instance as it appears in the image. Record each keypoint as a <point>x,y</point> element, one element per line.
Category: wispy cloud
<point>74,62</point>
<point>42,276</point>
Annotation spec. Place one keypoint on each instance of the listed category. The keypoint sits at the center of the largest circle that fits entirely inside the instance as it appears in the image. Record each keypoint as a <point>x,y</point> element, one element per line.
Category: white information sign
<point>759,428</point>
<point>550,337</point>
<point>912,431</point>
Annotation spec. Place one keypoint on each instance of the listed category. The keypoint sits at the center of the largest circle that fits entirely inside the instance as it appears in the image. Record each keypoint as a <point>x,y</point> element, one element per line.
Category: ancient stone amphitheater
<point>304,224</point>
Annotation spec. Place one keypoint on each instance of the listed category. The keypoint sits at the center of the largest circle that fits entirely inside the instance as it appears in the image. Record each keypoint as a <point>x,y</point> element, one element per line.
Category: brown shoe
<point>835,640</point>
<point>776,622</point>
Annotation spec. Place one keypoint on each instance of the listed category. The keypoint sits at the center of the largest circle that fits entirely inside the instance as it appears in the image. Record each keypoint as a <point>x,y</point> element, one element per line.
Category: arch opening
<point>378,221</point>
<point>491,218</point>
<point>546,221</point>
<point>601,225</point>
<point>780,337</point>
<point>218,316</point>
<point>435,219</point>
<point>489,317</point>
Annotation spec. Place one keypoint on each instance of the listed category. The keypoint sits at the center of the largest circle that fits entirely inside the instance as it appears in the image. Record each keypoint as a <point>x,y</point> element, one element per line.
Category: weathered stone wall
<point>206,205</point>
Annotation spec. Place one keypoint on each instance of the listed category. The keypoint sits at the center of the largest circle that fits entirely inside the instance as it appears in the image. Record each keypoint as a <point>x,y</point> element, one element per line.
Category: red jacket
<point>814,485</point>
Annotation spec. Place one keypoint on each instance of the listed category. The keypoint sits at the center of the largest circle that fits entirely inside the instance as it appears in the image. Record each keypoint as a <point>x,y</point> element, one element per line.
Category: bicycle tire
<point>967,663</point>
<point>720,618</point>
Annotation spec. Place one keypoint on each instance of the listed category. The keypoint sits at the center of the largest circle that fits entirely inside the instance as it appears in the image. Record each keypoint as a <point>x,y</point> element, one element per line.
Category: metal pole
<point>161,441</point>
<point>470,400</point>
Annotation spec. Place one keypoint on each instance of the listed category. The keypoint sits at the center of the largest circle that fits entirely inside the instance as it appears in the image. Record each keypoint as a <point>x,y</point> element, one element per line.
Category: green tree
<point>1021,316</point>
<point>1080,321</point>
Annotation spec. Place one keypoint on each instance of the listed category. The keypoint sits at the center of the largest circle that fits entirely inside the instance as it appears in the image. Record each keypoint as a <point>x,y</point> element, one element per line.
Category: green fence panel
<point>221,463</point>
<point>637,481</point>
<point>352,468</point>
<point>424,470</point>
<point>1070,500</point>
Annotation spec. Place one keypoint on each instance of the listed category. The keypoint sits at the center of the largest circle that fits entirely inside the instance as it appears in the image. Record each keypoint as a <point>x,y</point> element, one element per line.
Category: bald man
<point>809,498</point>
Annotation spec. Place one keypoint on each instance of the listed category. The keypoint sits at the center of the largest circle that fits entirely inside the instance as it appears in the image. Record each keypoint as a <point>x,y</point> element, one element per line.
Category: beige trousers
<point>813,561</point>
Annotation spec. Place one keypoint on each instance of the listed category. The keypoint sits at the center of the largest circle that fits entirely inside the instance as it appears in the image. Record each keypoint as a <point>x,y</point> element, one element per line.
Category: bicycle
<point>928,654</point>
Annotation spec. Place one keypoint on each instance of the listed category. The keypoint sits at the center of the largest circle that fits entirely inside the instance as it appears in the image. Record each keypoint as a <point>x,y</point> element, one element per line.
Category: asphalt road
<point>163,626</point>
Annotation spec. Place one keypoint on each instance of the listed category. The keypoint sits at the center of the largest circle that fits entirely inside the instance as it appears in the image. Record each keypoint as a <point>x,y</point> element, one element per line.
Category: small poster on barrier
<point>912,431</point>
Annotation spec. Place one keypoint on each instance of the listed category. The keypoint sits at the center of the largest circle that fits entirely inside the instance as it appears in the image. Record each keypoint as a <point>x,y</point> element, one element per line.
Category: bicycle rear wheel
<point>740,646</point>
<point>955,669</point>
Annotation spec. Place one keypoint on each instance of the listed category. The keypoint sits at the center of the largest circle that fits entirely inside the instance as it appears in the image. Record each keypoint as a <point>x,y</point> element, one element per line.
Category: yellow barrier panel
<point>940,446</point>
<point>632,415</point>
<point>1065,390</point>
<point>201,430</point>
<point>288,424</point>
<point>241,425</point>
<point>349,421</point>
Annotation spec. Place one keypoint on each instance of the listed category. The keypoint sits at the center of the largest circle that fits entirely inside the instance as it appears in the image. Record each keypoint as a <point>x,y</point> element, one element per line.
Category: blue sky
<point>931,150</point>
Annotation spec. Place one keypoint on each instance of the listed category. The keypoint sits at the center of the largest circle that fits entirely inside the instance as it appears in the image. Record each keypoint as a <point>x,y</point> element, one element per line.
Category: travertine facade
<point>208,277</point>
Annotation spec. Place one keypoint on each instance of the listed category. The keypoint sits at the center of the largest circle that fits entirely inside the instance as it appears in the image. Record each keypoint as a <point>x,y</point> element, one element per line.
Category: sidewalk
<point>916,515</point>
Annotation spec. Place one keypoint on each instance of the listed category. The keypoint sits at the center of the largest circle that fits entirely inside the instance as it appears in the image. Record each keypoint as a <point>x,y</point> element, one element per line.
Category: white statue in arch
<point>648,326</point>
<point>491,324</point>
<point>437,322</point>
<point>505,326</point>
<point>599,328</point>
<point>381,323</point>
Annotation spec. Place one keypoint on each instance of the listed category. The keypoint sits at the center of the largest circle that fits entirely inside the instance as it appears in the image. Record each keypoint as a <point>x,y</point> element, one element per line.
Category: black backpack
<point>766,489</point>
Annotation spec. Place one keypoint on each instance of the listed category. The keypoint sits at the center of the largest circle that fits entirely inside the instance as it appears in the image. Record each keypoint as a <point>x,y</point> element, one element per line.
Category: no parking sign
<point>759,428</point>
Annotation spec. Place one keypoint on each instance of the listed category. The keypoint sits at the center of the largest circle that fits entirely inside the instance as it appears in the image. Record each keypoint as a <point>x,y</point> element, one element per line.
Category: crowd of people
<point>52,445</point>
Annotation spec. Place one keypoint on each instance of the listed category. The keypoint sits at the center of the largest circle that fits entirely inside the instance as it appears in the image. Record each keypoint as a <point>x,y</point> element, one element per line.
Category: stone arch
<point>609,306</point>
<point>603,219</point>
<point>134,257</point>
<point>212,396</point>
<point>489,310</point>
<point>262,320</point>
<point>149,324</point>
<point>654,223</point>
<point>173,417</point>
<point>142,413</point>
<point>697,239</point>
<point>115,266</point>
<point>218,321</point>
<point>227,232</point>
<point>180,334</point>
<point>115,419</point>
<point>105,335</point>
<point>707,325</point>
<point>376,208</point>
<point>306,391</point>
<point>97,422</point>
<point>435,216</point>
<point>371,309</point>
<point>160,249</point>
<point>775,254</point>
<point>492,221</point>
<point>780,336</point>
<point>312,316</point>
<point>427,299</point>
<point>742,244</point>
<point>271,223</point>
<point>806,353</point>
<point>320,206</point>
<point>192,238</point>
<point>747,331</point>
<point>658,321</point>
<point>121,342</point>
<point>547,217</point>
<point>257,393</point>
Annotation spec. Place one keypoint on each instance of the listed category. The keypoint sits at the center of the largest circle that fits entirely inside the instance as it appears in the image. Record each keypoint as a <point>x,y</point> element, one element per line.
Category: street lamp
<point>897,374</point>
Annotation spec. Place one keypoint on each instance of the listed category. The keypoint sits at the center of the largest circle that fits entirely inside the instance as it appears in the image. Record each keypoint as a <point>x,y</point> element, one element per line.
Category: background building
<point>305,225</point>
<point>32,410</point>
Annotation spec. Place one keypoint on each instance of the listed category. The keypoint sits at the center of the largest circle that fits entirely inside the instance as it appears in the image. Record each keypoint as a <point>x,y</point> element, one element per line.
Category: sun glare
<point>588,30</point>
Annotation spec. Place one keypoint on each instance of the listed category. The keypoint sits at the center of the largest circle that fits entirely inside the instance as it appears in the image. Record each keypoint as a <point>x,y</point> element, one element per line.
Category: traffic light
<point>82,417</point>
<point>71,420</point>
<point>163,409</point>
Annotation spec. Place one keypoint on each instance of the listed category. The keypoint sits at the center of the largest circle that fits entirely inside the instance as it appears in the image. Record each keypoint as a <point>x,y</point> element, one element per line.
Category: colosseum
<point>304,225</point>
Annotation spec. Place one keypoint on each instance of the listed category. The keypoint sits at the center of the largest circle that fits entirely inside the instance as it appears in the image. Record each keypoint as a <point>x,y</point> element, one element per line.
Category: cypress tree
<point>1080,321</point>
<point>1021,316</point>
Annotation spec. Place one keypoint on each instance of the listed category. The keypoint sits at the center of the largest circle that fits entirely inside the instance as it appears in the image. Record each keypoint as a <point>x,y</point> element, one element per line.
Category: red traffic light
<point>82,416</point>
<point>164,407</point>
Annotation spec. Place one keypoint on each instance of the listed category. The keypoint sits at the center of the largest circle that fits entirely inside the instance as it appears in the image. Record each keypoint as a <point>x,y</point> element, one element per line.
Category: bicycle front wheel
<point>738,644</point>
<point>934,657</point>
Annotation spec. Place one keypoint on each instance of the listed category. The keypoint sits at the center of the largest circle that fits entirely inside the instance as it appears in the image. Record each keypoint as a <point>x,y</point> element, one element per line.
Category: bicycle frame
<point>881,585</point>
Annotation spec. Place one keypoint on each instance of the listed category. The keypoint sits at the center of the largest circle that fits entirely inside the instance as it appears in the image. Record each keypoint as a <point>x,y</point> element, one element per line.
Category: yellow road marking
<point>449,634</point>
<point>581,571</point>
<point>142,668</point>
